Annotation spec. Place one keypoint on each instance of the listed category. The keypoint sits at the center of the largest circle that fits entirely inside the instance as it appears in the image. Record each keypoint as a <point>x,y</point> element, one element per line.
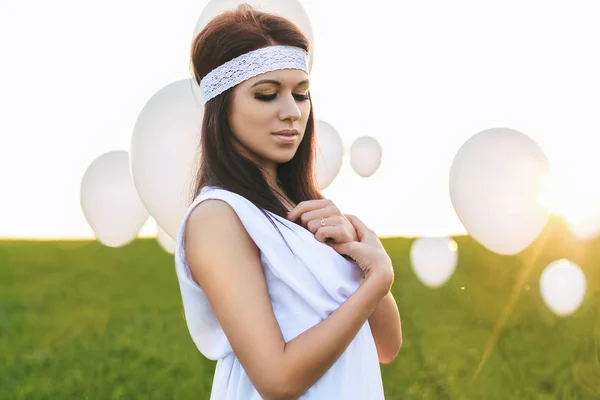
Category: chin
<point>283,157</point>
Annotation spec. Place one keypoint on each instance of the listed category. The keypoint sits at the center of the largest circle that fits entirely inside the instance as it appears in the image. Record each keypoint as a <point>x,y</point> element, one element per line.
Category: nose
<point>289,109</point>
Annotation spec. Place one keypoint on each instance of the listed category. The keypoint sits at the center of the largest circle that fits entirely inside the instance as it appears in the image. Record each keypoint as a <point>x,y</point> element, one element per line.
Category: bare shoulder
<point>214,228</point>
<point>211,214</point>
<point>225,262</point>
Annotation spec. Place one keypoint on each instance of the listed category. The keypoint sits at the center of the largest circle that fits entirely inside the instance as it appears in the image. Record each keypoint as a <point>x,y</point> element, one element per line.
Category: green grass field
<point>82,321</point>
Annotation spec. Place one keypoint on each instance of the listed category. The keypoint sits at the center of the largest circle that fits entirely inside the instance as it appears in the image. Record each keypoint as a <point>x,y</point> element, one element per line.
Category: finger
<point>315,224</point>
<point>316,215</point>
<point>305,206</point>
<point>348,248</point>
<point>337,233</point>
<point>361,228</point>
<point>341,248</point>
<point>325,233</point>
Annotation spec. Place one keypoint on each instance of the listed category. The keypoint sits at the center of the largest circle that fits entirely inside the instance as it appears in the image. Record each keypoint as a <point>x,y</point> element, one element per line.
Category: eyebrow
<point>274,82</point>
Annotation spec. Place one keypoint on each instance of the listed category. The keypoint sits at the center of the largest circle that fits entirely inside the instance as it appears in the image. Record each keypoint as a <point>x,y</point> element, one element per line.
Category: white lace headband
<point>249,65</point>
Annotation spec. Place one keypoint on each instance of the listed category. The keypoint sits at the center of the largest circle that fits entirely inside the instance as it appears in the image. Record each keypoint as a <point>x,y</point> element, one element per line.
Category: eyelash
<point>269,97</point>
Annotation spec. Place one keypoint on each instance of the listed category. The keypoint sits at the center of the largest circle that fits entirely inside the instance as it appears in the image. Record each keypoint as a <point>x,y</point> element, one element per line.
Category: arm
<point>226,263</point>
<point>387,329</point>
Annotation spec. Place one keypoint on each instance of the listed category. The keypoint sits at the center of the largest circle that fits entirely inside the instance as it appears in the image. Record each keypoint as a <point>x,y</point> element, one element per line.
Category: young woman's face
<point>269,114</point>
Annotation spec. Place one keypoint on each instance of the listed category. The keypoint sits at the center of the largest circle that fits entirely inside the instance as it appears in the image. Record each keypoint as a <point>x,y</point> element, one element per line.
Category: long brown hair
<point>227,36</point>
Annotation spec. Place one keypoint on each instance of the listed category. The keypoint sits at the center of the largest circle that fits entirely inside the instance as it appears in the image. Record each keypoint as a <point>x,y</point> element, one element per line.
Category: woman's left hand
<point>324,220</point>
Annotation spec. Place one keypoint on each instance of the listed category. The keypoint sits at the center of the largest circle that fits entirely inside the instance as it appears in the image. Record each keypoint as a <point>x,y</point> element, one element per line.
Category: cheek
<point>260,117</point>
<point>250,120</point>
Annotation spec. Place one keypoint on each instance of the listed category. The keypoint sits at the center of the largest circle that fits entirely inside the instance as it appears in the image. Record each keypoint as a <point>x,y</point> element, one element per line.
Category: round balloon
<point>289,9</point>
<point>109,200</point>
<point>330,151</point>
<point>365,156</point>
<point>434,260</point>
<point>563,287</point>
<point>165,151</point>
<point>165,241</point>
<point>496,180</point>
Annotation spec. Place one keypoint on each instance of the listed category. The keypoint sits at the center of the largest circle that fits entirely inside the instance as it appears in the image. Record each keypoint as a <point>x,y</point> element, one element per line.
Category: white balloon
<point>289,9</point>
<point>365,156</point>
<point>434,260</point>
<point>330,151</point>
<point>563,287</point>
<point>495,184</point>
<point>164,151</point>
<point>109,200</point>
<point>165,241</point>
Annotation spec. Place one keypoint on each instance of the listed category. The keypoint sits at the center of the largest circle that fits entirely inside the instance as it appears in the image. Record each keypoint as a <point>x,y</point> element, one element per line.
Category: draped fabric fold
<point>307,281</point>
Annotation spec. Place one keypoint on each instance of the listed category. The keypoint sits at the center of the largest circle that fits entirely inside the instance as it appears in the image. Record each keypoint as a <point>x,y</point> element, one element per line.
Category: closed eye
<point>301,97</point>
<point>269,97</point>
<point>265,97</point>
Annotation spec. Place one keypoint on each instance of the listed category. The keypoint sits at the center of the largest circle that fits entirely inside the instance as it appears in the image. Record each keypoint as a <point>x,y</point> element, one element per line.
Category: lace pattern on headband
<point>251,64</point>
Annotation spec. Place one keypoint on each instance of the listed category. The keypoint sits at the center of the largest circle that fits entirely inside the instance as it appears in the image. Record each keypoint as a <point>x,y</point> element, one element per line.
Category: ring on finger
<point>322,221</point>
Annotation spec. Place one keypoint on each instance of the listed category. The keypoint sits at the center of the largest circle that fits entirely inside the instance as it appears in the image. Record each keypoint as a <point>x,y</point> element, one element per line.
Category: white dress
<point>305,286</point>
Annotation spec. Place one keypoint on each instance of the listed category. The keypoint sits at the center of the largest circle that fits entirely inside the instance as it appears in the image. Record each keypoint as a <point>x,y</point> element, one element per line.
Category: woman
<point>264,262</point>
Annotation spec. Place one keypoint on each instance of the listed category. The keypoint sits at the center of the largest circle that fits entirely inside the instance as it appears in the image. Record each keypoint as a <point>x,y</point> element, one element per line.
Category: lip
<point>286,135</point>
<point>287,132</point>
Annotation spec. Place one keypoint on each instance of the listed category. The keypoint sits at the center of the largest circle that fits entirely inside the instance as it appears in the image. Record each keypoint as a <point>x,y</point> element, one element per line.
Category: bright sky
<point>421,77</point>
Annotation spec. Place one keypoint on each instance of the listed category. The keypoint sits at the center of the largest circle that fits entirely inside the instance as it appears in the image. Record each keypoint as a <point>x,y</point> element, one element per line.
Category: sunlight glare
<point>572,195</point>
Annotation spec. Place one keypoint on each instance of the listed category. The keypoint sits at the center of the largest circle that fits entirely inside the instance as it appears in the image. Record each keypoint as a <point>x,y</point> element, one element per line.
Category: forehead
<point>287,77</point>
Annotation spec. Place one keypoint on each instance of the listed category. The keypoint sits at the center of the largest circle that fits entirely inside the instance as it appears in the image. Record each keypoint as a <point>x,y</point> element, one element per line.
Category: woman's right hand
<point>369,254</point>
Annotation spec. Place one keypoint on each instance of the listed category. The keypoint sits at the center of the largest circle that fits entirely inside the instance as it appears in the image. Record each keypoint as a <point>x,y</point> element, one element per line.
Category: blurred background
<point>462,132</point>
